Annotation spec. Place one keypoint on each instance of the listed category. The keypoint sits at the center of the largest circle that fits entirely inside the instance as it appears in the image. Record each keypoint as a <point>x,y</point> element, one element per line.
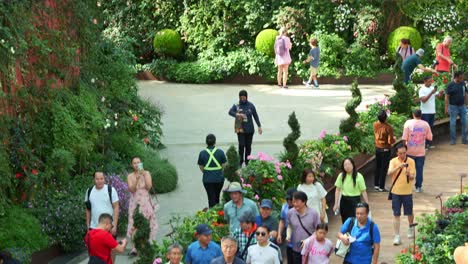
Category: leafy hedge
<point>167,42</point>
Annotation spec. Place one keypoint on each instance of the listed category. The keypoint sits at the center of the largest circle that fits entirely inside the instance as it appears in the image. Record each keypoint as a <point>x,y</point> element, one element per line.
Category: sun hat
<point>234,187</point>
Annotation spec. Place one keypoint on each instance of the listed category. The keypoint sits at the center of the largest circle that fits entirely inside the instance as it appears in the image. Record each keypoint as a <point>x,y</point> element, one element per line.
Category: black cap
<point>243,93</point>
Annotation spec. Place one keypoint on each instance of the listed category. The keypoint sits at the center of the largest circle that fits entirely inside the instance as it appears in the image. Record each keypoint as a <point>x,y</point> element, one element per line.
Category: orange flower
<point>221,213</point>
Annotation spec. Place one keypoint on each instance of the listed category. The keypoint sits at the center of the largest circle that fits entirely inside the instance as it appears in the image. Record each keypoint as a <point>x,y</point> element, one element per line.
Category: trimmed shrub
<point>163,174</point>
<point>265,42</point>
<point>167,42</point>
<point>403,32</point>
<point>20,232</point>
<point>361,61</point>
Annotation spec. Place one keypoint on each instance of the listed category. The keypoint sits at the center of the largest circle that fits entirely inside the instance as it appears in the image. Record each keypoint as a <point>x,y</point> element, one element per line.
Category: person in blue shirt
<point>203,250</point>
<point>211,161</point>
<point>284,223</point>
<point>365,249</point>
<point>412,62</point>
<point>314,59</point>
<point>243,125</point>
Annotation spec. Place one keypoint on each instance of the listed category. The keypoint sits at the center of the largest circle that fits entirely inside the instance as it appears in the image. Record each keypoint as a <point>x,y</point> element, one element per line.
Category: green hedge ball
<point>265,41</point>
<point>167,42</point>
<point>403,32</point>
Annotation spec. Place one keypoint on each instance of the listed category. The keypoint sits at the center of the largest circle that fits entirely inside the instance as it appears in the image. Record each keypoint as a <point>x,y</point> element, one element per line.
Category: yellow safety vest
<point>212,158</point>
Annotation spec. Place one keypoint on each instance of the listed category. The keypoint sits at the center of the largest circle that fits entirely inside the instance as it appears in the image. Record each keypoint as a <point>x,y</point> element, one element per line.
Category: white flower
<point>3,41</point>
<point>115,115</point>
<point>107,121</point>
<point>115,123</point>
<point>103,99</point>
<point>92,80</point>
<point>12,50</point>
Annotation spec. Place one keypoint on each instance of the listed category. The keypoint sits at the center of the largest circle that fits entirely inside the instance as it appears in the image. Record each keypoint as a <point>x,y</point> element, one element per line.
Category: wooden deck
<point>441,175</point>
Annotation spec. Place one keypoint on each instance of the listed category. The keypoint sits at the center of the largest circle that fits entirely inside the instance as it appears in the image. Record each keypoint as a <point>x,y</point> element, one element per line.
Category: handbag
<point>341,249</point>
<point>394,181</point>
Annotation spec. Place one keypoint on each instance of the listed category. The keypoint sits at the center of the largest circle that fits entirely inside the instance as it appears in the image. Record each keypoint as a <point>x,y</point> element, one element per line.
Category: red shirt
<point>100,244</point>
<point>443,64</point>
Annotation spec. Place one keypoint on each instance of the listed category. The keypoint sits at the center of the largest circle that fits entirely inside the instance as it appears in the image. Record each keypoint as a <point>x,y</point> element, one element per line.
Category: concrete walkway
<point>193,111</point>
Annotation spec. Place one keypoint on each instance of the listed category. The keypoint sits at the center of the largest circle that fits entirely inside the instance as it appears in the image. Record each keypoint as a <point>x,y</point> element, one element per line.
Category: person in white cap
<point>412,62</point>
<point>237,206</point>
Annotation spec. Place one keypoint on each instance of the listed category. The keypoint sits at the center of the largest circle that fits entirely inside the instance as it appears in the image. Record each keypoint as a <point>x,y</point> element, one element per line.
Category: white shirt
<point>100,203</point>
<point>315,193</point>
<point>429,107</point>
<point>269,254</point>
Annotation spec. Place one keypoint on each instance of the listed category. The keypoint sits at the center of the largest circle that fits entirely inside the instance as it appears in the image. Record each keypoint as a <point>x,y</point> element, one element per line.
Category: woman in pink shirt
<point>282,58</point>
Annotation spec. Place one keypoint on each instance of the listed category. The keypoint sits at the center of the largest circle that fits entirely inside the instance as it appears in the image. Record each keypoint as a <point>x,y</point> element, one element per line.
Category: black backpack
<point>88,203</point>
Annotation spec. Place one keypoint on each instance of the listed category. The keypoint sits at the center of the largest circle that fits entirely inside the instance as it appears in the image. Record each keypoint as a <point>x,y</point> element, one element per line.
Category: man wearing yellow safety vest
<point>211,161</point>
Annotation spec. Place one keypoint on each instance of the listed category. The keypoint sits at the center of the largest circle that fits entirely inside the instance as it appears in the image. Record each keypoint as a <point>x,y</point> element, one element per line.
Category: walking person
<point>174,254</point>
<point>314,59</point>
<point>384,139</point>
<point>302,221</point>
<point>350,186</point>
<point>443,60</point>
<point>245,235</point>
<point>264,252</point>
<point>265,218</point>
<point>211,161</point>
<point>243,125</point>
<point>139,184</point>
<point>427,97</point>
<point>405,50</point>
<point>237,206</point>
<point>315,194</point>
<point>415,133</point>
<point>203,250</point>
<point>317,248</point>
<point>283,224</point>
<point>229,249</point>
<point>366,235</point>
<point>402,170</point>
<point>100,242</point>
<point>411,63</point>
<point>456,100</point>
<point>282,57</point>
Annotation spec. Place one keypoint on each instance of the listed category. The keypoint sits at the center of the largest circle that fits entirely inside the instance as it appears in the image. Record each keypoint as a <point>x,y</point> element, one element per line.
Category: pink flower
<point>250,157</point>
<point>135,118</point>
<point>280,177</point>
<point>34,172</point>
<point>248,185</point>
<point>94,21</point>
<point>323,134</point>
<point>157,261</point>
<point>262,156</point>
<point>288,164</point>
<point>337,133</point>
<point>242,179</point>
<point>256,197</point>
<point>278,169</point>
<point>357,125</point>
<point>336,142</point>
<point>345,138</point>
<point>388,112</point>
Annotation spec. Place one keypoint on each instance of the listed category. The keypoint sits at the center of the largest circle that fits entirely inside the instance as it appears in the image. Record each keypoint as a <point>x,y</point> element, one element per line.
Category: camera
<point>434,63</point>
<point>405,165</point>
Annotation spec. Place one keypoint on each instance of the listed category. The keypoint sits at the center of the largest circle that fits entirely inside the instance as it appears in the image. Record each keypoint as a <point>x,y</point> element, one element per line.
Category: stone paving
<point>192,111</point>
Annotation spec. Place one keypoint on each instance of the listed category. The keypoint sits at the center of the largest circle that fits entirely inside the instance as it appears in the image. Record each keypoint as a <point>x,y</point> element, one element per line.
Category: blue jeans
<point>454,111</point>
<point>419,169</point>
<point>429,118</point>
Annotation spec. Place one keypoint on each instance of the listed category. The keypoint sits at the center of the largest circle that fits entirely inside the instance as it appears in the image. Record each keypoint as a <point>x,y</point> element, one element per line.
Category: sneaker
<point>431,147</point>
<point>307,84</point>
<point>418,189</point>
<point>396,240</point>
<point>285,87</point>
<point>383,190</point>
<point>411,232</point>
<point>376,188</point>
<point>316,86</point>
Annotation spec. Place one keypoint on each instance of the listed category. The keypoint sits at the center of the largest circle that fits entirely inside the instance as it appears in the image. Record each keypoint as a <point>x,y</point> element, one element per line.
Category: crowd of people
<point>301,230</point>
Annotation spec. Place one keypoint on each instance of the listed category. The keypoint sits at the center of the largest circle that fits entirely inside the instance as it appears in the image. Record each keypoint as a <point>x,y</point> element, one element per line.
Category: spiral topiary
<point>292,151</point>
<point>403,32</point>
<point>167,42</point>
<point>232,166</point>
<point>265,42</point>
<point>402,100</point>
<point>347,126</point>
<point>141,238</point>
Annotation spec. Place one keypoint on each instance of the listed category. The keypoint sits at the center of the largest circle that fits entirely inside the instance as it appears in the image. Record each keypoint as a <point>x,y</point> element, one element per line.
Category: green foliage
<point>361,61</point>
<point>167,42</point>
<point>291,153</point>
<point>265,42</point>
<point>232,165</point>
<point>348,125</point>
<point>19,229</point>
<point>401,102</point>
<point>368,28</point>
<point>403,32</point>
<point>6,182</point>
<point>163,174</point>
<point>141,238</point>
<point>332,49</point>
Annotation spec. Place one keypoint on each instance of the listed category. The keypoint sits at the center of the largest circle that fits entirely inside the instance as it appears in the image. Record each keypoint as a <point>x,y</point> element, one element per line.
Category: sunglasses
<point>260,233</point>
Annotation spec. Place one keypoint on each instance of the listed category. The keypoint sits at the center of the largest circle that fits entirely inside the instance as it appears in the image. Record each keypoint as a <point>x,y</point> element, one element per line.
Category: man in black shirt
<point>456,96</point>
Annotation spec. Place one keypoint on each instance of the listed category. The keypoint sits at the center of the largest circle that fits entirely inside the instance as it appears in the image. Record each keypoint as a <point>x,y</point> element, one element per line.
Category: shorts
<point>313,70</point>
<point>399,200</point>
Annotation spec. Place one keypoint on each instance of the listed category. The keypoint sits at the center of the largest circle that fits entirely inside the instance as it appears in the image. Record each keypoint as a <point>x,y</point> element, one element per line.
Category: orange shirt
<point>402,185</point>
<point>443,64</point>
<point>383,135</point>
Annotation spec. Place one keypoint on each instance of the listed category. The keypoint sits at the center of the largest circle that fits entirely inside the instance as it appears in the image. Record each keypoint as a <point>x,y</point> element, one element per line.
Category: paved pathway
<point>193,111</point>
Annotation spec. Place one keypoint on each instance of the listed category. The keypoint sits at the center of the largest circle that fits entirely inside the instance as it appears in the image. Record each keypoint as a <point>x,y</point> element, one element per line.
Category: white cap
<point>420,52</point>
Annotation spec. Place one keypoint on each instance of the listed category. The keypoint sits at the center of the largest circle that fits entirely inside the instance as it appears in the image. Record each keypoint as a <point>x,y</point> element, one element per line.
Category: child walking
<point>314,59</point>
<point>317,248</point>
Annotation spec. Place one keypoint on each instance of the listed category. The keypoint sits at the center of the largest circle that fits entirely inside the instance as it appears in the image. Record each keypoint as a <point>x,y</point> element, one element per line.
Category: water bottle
<point>337,211</point>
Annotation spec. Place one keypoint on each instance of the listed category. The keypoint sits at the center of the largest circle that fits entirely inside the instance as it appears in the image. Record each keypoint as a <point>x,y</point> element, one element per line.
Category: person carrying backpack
<point>362,235</point>
<point>282,57</point>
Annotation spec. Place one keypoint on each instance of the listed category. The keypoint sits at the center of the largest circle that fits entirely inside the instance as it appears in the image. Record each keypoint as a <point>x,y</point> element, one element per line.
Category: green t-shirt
<point>348,188</point>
